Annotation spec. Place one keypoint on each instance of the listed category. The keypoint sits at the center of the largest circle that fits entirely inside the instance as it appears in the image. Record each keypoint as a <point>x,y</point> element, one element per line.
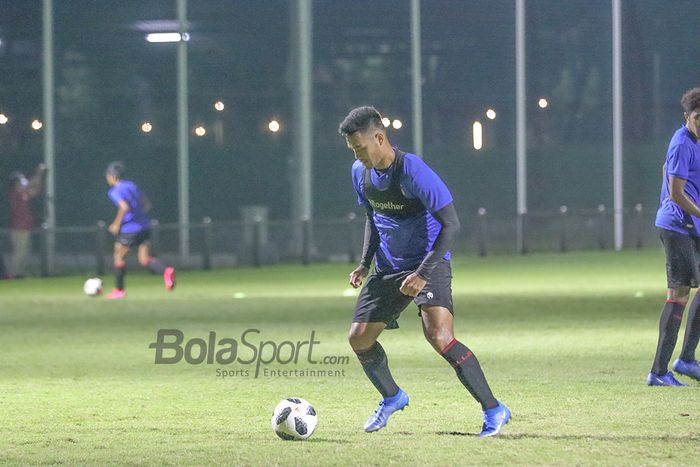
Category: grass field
<point>565,340</point>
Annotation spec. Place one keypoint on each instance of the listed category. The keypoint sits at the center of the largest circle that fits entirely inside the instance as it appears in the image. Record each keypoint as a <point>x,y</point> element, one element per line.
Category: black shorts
<point>381,301</point>
<point>682,253</point>
<point>133,239</point>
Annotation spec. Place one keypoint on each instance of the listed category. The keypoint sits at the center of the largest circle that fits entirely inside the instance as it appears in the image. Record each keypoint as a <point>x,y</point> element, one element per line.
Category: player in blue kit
<point>410,227</point>
<point>131,227</point>
<point>678,222</point>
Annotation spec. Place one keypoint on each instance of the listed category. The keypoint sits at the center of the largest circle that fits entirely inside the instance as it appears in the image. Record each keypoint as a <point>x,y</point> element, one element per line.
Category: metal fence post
<point>100,237</point>
<point>638,210</point>
<point>482,233</point>
<point>352,254</point>
<point>208,240</point>
<point>563,244</point>
<point>522,226</point>
<point>305,240</point>
<point>44,249</point>
<point>602,242</point>
<point>257,240</point>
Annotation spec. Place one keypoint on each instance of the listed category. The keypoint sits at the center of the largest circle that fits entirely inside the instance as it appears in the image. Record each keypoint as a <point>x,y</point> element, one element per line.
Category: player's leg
<point>370,353</point>
<point>20,250</point>
<point>681,274</point>
<point>435,304</point>
<point>153,263</point>
<point>669,325</point>
<point>438,330</point>
<point>686,364</point>
<point>379,303</point>
<point>147,261</point>
<point>119,255</point>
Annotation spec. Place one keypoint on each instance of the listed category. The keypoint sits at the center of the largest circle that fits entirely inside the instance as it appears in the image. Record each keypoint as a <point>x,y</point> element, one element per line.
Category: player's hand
<point>412,285</point>
<point>113,229</point>
<point>358,275</point>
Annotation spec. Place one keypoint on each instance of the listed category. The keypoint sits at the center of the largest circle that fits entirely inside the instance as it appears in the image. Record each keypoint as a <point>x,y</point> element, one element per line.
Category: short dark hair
<point>361,119</point>
<point>691,100</point>
<point>116,169</point>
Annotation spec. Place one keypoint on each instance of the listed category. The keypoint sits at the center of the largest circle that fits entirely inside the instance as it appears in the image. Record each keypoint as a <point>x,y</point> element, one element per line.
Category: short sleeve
<point>115,195</point>
<point>420,181</point>
<point>678,161</point>
<point>358,171</point>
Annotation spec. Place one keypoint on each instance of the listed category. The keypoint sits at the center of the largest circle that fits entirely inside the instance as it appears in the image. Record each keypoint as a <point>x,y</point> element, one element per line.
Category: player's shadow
<point>688,438</point>
<point>455,433</point>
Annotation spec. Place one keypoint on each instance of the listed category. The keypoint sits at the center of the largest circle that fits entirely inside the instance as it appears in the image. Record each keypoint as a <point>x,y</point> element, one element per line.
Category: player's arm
<point>119,218</point>
<point>371,240</point>
<point>423,183</point>
<point>369,248</point>
<point>676,188</point>
<point>36,182</point>
<point>447,217</point>
<point>415,282</point>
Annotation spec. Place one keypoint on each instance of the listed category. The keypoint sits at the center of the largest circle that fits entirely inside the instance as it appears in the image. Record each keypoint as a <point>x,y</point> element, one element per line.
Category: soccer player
<point>131,227</point>
<point>678,222</point>
<point>22,192</point>
<point>411,224</point>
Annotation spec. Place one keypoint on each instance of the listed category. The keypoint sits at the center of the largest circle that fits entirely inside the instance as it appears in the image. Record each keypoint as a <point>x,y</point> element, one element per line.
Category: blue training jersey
<point>682,161</point>
<point>135,220</point>
<point>405,238</point>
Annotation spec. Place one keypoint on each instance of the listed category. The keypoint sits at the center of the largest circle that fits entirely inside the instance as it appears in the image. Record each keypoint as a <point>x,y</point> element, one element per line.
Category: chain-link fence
<point>260,242</point>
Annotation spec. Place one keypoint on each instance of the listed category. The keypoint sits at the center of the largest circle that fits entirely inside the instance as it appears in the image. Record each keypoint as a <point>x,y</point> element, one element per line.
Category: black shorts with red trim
<point>381,300</point>
<point>682,259</point>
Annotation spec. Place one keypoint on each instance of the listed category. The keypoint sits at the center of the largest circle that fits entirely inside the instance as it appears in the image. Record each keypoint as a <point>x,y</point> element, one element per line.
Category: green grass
<point>565,340</point>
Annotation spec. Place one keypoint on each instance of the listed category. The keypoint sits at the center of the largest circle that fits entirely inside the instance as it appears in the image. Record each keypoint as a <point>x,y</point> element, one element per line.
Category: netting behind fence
<point>215,244</point>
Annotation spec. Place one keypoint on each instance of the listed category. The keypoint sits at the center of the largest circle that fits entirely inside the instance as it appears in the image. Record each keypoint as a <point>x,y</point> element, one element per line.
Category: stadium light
<point>160,37</point>
<point>36,124</point>
<point>491,114</point>
<point>218,105</point>
<point>386,122</point>
<point>200,131</point>
<point>477,135</point>
<point>146,127</point>
<point>3,119</point>
<point>543,103</point>
<point>273,126</point>
<point>396,124</point>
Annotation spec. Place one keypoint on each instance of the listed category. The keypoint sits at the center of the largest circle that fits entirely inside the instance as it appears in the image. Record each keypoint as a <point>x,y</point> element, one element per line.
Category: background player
<point>678,221</point>
<point>410,226</point>
<point>131,227</point>
<point>22,222</point>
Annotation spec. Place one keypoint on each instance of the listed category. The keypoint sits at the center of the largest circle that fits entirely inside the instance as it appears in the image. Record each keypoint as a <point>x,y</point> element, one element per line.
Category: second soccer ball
<point>93,286</point>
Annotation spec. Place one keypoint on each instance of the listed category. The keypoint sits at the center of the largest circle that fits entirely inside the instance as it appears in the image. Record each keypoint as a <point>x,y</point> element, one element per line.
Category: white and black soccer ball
<point>93,287</point>
<point>294,419</point>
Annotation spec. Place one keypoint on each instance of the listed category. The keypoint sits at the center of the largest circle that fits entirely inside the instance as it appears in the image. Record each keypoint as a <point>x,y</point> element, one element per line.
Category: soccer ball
<point>294,419</point>
<point>93,286</point>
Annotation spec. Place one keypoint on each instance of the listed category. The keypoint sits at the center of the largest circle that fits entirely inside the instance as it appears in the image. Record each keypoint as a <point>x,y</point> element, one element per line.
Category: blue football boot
<point>690,369</point>
<point>494,420</point>
<point>663,380</point>
<point>386,407</point>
